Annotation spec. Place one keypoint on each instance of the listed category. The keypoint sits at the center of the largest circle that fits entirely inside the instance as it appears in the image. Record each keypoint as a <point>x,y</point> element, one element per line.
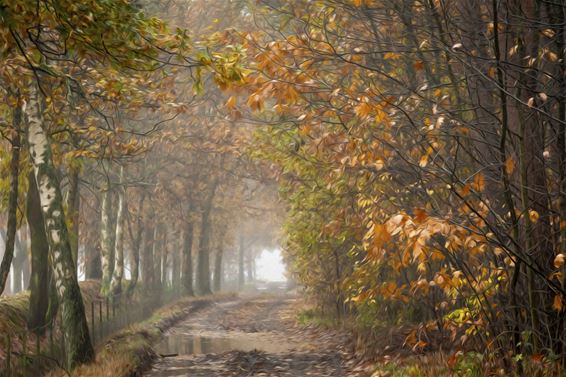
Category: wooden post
<point>100,320</point>
<point>92,323</point>
<point>9,357</point>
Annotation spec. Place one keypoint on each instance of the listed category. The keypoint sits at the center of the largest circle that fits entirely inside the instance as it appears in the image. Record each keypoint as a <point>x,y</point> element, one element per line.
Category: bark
<point>203,259</point>
<point>118,273</point>
<point>39,282</point>
<point>249,265</point>
<point>93,263</point>
<point>187,273</point>
<point>157,250</point>
<point>217,283</point>
<point>12,199</point>
<point>73,209</point>
<point>164,259</point>
<point>147,261</point>
<point>241,253</point>
<point>175,267</point>
<point>18,264</point>
<point>78,347</point>
<point>106,241</point>
<point>534,190</point>
<point>136,245</point>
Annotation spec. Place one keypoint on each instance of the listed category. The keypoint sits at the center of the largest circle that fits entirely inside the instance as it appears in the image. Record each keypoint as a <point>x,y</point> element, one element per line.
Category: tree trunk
<point>188,258</point>
<point>12,199</point>
<point>93,263</point>
<point>203,261</point>
<point>249,265</point>
<point>175,267</point>
<point>148,267</point>
<point>73,209</point>
<point>106,241</point>
<point>157,250</point>
<point>241,252</point>
<point>118,273</point>
<point>39,282</point>
<point>136,245</point>
<point>164,259</point>
<point>78,348</point>
<point>217,284</point>
<point>203,268</point>
<point>20,264</point>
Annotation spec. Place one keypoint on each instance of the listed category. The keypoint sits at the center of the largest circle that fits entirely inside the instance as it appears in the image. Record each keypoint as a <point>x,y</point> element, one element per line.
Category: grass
<point>312,317</point>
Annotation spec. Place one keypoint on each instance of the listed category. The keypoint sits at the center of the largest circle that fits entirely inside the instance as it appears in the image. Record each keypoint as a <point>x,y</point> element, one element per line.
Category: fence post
<point>62,335</point>
<point>23,361</point>
<point>92,323</point>
<point>100,320</point>
<point>9,357</point>
<point>51,351</point>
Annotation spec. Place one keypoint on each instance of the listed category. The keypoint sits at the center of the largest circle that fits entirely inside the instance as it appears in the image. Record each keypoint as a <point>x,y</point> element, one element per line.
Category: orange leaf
<point>420,215</point>
<point>231,103</point>
<point>479,182</point>
<point>559,260</point>
<point>509,166</point>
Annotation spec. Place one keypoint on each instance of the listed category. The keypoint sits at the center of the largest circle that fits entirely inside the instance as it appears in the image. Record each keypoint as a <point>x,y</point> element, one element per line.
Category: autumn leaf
<point>479,182</point>
<point>509,166</point>
<point>559,260</point>
<point>557,303</point>
<point>533,216</point>
<point>231,103</point>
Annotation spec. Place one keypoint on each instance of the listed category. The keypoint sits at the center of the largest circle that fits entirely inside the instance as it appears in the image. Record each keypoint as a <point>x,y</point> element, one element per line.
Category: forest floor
<point>254,336</point>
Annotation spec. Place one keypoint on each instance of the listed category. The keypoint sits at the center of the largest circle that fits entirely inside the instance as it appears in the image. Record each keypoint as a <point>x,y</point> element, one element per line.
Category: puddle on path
<point>190,344</point>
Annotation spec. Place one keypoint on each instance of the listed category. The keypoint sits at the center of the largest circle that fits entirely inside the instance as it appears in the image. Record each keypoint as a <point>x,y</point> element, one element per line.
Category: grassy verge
<point>129,352</point>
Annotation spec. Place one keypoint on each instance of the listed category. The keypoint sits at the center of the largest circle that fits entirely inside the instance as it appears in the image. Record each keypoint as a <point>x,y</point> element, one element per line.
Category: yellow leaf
<point>533,216</point>
<point>363,110</point>
<point>557,304</point>
<point>559,260</point>
<point>479,182</point>
<point>509,166</point>
<point>423,162</point>
<point>391,55</point>
<point>231,103</point>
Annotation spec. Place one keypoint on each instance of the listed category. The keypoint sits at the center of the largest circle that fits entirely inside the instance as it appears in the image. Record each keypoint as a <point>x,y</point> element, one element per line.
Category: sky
<point>269,266</point>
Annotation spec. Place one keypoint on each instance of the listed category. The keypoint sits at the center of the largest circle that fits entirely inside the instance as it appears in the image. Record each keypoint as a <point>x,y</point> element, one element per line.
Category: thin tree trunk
<point>12,198</point>
<point>39,282</point>
<point>136,245</point>
<point>118,273</point>
<point>249,267</point>
<point>106,241</point>
<point>203,261</point>
<point>157,250</point>
<point>148,267</point>
<point>73,209</point>
<point>78,347</point>
<point>20,255</point>
<point>218,266</point>
<point>241,252</point>
<point>93,263</point>
<point>187,257</point>
<point>175,267</point>
<point>164,259</point>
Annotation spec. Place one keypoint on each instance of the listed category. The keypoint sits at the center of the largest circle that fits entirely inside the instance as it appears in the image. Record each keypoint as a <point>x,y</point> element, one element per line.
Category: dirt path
<point>254,336</point>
